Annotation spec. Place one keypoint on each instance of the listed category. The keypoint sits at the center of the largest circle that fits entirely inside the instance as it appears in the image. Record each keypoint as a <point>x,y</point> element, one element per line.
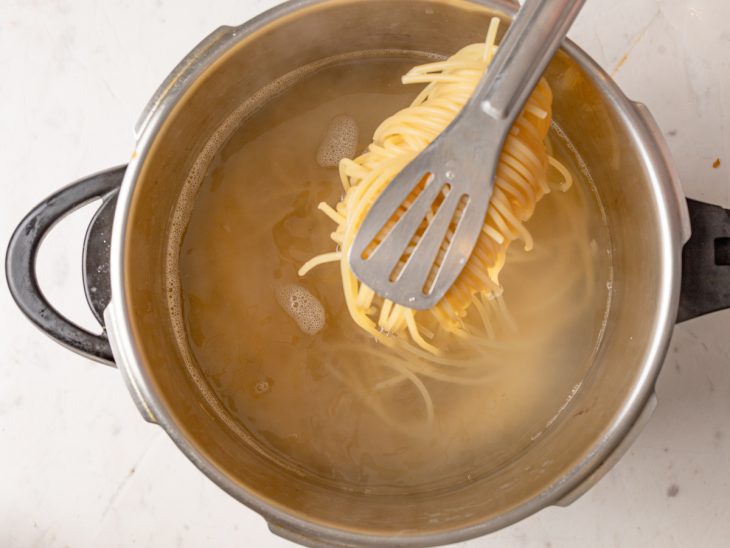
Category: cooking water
<point>280,352</point>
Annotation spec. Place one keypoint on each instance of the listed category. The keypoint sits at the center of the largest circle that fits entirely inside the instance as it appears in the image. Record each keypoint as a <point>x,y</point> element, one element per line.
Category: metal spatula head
<point>420,232</point>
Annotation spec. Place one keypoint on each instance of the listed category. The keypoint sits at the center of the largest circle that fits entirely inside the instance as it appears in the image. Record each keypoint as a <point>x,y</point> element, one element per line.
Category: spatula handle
<point>528,46</point>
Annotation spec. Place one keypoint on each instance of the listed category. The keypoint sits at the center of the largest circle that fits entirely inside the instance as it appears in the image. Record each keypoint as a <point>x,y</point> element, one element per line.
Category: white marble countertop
<point>80,468</point>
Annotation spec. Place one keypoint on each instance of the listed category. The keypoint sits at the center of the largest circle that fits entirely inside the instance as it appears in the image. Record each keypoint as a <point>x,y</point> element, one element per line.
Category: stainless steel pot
<point>646,212</point>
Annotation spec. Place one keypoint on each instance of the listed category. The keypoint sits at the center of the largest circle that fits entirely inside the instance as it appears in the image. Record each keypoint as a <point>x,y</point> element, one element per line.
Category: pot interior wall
<point>595,126</point>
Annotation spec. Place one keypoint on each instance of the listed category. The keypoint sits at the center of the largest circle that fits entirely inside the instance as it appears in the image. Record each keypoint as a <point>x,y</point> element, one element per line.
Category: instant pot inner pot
<point>603,139</point>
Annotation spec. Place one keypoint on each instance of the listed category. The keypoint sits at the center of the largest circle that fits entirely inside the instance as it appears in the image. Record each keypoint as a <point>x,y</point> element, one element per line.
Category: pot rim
<point>127,355</point>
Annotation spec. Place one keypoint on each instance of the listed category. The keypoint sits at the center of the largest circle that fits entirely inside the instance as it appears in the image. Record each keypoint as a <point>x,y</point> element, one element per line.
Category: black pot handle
<point>705,262</point>
<point>20,262</point>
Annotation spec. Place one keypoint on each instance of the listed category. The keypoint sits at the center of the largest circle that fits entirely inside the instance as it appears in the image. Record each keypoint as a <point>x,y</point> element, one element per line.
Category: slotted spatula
<point>459,168</point>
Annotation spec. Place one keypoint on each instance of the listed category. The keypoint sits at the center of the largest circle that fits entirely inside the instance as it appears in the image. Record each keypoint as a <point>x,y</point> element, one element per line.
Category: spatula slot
<point>446,243</point>
<point>420,230</point>
<point>396,216</point>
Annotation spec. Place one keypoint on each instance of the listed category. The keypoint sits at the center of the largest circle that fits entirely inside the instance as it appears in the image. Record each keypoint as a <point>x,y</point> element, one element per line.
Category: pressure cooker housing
<point>648,225</point>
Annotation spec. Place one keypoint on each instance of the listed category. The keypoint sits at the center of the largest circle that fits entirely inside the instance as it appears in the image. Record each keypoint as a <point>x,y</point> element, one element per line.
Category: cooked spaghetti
<point>521,181</point>
<point>278,358</point>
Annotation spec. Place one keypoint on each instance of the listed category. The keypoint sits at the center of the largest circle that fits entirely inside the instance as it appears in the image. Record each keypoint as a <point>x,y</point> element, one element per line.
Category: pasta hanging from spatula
<point>521,181</point>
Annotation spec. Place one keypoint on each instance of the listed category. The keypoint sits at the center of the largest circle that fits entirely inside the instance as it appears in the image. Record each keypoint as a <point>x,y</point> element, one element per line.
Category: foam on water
<point>303,307</point>
<point>339,142</point>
